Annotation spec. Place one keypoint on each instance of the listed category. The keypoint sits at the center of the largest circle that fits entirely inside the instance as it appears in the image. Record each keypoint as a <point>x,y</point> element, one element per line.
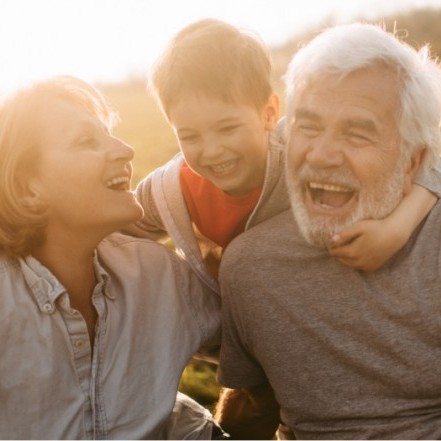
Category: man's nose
<point>120,151</point>
<point>325,150</point>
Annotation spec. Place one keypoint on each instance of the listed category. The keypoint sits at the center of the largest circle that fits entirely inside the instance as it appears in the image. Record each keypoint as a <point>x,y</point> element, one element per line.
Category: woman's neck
<point>71,262</point>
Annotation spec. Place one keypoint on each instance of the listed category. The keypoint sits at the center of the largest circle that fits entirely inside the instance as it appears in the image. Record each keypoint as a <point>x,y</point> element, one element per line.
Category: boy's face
<point>223,142</point>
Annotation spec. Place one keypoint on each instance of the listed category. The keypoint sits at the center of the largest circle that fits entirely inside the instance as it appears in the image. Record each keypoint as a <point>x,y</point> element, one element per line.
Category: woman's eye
<point>88,142</point>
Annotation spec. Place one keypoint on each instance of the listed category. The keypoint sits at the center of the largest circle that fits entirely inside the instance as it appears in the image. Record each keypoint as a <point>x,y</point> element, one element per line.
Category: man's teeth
<point>329,187</point>
<point>116,181</point>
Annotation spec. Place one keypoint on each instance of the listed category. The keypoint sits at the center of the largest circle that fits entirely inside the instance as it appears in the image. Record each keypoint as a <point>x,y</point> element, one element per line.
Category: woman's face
<point>83,173</point>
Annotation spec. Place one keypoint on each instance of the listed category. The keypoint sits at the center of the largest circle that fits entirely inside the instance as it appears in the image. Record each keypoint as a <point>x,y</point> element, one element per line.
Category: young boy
<point>213,83</point>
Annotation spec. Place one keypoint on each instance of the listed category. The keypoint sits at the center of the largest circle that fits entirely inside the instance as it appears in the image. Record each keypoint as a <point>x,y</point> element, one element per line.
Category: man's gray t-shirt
<point>349,354</point>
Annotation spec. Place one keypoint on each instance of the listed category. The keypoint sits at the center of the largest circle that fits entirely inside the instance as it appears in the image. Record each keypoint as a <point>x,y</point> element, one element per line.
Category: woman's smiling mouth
<point>119,183</point>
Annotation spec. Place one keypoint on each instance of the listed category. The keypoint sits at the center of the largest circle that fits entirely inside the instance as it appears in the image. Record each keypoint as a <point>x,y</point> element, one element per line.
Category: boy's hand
<point>368,244</point>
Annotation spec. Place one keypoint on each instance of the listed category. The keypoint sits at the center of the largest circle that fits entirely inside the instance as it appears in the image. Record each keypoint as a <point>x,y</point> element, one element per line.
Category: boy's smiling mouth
<point>224,168</point>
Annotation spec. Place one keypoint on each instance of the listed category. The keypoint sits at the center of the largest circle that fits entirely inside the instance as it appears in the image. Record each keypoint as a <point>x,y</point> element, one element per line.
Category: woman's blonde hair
<point>23,219</point>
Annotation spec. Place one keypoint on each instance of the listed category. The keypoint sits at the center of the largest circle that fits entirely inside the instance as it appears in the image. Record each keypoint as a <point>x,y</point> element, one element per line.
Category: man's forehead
<point>366,93</point>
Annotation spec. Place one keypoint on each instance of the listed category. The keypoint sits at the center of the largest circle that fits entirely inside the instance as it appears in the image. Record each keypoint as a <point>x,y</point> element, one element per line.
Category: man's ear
<point>271,112</point>
<point>412,168</point>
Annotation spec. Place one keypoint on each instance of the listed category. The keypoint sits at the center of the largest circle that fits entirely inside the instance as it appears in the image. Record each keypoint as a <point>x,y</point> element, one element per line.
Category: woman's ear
<point>29,193</point>
<point>271,112</point>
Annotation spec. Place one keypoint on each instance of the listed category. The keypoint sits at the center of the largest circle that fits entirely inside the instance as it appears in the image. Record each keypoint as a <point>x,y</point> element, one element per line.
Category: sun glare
<point>110,40</point>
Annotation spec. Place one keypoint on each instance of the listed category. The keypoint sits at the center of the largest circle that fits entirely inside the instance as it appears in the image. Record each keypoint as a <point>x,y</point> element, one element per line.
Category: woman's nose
<point>119,150</point>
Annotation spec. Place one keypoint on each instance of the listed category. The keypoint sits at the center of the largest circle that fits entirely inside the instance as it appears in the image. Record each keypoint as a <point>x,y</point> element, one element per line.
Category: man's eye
<point>308,130</point>
<point>358,138</point>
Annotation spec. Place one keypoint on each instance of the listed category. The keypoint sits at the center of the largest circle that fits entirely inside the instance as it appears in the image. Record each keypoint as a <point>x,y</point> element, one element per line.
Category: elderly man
<point>348,354</point>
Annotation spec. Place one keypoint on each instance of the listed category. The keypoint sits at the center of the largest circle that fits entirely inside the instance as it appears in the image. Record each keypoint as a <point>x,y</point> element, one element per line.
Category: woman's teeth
<point>115,182</point>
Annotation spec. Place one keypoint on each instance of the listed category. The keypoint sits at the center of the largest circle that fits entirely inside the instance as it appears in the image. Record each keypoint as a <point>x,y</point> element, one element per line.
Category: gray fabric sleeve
<point>237,367</point>
<point>151,225</point>
<point>430,178</point>
<point>205,304</point>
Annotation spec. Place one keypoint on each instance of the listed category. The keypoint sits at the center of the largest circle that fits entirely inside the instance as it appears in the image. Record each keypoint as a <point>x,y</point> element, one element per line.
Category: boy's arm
<point>150,226</point>
<point>368,244</point>
<point>248,413</point>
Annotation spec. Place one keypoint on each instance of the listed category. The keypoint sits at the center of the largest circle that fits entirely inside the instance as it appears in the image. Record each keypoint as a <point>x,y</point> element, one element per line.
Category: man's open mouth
<point>329,196</point>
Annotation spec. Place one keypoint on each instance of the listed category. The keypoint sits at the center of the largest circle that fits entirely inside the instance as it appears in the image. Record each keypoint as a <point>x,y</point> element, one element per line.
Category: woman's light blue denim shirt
<point>153,315</point>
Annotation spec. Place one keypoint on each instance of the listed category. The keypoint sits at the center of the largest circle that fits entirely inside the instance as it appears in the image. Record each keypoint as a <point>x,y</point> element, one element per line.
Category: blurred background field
<point>144,127</point>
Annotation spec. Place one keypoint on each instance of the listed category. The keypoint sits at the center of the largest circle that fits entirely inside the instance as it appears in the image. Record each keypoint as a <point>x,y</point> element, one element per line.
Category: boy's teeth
<point>223,167</point>
<point>116,181</point>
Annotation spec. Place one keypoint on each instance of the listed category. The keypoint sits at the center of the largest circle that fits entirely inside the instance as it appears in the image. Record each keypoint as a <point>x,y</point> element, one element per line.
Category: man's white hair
<point>344,49</point>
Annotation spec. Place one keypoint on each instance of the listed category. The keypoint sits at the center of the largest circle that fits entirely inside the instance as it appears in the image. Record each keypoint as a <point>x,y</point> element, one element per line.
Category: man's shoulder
<point>263,238</point>
<point>426,239</point>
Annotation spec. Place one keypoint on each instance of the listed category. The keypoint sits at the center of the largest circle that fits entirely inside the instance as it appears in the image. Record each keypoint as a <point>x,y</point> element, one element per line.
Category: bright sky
<point>108,40</point>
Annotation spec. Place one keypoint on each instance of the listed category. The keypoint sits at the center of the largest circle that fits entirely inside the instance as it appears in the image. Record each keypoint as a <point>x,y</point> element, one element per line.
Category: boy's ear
<point>412,169</point>
<point>271,112</point>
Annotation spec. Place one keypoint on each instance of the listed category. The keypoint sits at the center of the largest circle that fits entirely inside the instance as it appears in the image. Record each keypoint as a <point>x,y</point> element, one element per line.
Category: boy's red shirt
<point>218,216</point>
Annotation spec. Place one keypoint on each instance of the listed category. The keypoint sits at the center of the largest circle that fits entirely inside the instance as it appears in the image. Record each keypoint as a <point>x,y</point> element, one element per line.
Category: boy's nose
<point>212,148</point>
<point>119,150</point>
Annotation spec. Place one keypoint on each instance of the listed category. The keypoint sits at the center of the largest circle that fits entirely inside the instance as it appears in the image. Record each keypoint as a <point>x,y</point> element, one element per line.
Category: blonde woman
<point>96,327</point>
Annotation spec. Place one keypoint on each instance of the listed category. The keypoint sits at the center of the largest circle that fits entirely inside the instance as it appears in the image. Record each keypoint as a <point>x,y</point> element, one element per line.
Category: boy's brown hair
<point>213,59</point>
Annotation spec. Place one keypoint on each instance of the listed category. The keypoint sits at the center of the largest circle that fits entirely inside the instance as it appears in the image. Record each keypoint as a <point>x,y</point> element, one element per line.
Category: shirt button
<point>47,307</point>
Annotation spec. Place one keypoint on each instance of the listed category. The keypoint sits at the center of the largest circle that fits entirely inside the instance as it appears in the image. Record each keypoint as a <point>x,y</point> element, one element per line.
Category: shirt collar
<point>43,284</point>
<point>102,276</point>
<point>46,288</point>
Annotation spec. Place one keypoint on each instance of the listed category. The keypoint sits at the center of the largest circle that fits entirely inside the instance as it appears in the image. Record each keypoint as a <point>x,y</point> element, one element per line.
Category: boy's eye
<point>229,129</point>
<point>188,139</point>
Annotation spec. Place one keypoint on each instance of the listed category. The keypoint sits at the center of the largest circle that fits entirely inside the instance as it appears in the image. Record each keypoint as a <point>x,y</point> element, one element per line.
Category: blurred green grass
<point>199,382</point>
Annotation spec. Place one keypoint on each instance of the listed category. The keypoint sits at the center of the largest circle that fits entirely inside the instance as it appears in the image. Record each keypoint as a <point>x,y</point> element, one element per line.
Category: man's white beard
<point>376,202</point>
